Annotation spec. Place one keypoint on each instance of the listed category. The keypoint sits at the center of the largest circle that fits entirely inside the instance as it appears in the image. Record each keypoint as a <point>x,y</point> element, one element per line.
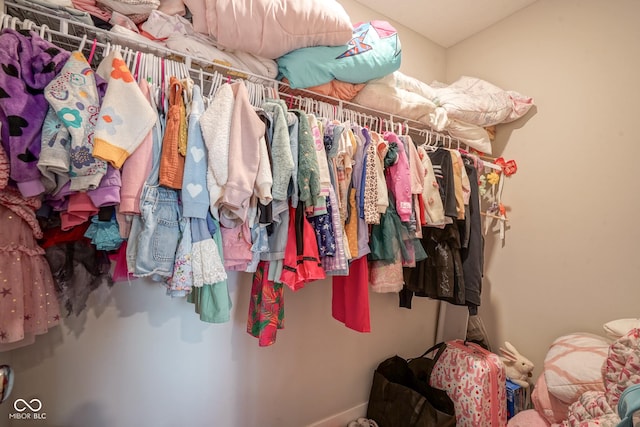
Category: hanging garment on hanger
<point>456,162</point>
<point>382,147</point>
<point>372,173</point>
<point>136,168</point>
<point>358,182</point>
<point>443,169</point>
<point>440,275</point>
<point>323,167</point>
<point>472,251</point>
<point>206,262</point>
<point>29,64</point>
<point>301,259</point>
<point>244,158</point>
<point>236,246</point>
<point>293,126</point>
<point>54,162</point>
<point>4,168</point>
<point>350,297</point>
<point>398,176</point>
<point>308,168</point>
<point>180,283</point>
<point>195,197</point>
<point>159,222</point>
<point>211,300</point>
<point>172,160</point>
<point>325,234</point>
<point>336,265</point>
<point>434,208</point>
<point>29,305</point>
<point>215,124</point>
<point>389,251</point>
<point>74,96</point>
<point>266,307</point>
<point>121,126</point>
<point>283,160</point>
<point>321,219</point>
<point>417,183</point>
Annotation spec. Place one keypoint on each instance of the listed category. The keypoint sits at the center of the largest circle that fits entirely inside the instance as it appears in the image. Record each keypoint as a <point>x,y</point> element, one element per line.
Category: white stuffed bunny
<point>517,367</point>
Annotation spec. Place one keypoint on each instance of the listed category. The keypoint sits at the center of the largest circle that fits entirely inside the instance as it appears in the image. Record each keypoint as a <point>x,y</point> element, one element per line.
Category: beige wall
<point>139,358</point>
<point>570,262</point>
<point>421,58</point>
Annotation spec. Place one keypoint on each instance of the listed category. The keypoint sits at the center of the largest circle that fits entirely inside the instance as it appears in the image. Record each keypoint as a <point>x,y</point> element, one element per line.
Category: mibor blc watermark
<point>28,410</point>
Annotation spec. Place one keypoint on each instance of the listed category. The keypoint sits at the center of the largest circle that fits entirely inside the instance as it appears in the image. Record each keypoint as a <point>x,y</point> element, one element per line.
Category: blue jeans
<point>159,232</point>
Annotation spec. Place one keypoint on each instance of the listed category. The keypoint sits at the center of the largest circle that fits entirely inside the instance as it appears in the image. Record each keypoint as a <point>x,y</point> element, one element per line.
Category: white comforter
<point>462,109</point>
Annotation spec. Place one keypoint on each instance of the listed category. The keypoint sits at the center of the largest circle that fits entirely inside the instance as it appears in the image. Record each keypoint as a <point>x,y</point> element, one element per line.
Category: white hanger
<point>251,92</point>
<point>4,23</point>
<point>28,24</point>
<point>201,78</point>
<point>82,43</point>
<point>14,22</point>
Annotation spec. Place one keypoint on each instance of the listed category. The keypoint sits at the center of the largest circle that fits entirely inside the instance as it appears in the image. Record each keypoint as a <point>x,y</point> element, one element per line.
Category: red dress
<point>301,256</point>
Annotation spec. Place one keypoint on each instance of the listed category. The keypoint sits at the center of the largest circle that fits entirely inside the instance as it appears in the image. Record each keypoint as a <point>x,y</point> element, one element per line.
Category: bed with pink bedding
<point>584,376</point>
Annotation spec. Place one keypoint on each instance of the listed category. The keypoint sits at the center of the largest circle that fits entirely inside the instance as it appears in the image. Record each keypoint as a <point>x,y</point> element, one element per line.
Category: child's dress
<point>28,303</point>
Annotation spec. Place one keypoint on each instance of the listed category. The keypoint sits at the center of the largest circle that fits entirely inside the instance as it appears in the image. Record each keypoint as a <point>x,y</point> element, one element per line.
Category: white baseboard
<point>343,418</point>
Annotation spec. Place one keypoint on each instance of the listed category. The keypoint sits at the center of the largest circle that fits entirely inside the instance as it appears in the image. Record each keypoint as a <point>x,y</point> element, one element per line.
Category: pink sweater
<point>399,179</point>
<point>136,169</point>
<point>244,158</point>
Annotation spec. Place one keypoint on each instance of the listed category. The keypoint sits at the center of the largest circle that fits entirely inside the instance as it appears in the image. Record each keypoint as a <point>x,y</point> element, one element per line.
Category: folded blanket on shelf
<point>462,109</point>
<point>178,34</point>
<point>335,89</point>
<point>271,28</point>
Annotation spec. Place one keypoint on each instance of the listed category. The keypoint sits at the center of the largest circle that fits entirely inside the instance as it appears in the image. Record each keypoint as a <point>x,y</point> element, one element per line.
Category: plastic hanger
<point>201,78</point>
<point>28,24</point>
<point>82,43</point>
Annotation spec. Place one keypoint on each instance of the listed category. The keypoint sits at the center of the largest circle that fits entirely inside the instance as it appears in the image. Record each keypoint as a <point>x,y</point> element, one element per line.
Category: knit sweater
<point>136,169</point>
<point>122,126</point>
<point>308,169</point>
<point>244,158</point>
<point>215,125</point>
<point>280,151</point>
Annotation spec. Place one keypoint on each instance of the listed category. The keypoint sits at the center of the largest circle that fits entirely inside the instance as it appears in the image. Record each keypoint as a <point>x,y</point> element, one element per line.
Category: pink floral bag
<point>475,381</point>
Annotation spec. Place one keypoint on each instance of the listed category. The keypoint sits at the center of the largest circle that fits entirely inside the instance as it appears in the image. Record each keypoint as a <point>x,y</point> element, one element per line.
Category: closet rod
<point>67,26</point>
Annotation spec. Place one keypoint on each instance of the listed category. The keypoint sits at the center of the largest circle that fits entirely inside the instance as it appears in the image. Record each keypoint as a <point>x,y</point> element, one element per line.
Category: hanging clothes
<point>266,307</point>
<point>211,299</point>
<point>301,260</point>
<point>171,160</point>
<point>473,252</point>
<point>244,159</point>
<point>29,64</point>
<point>350,297</point>
<point>28,303</point>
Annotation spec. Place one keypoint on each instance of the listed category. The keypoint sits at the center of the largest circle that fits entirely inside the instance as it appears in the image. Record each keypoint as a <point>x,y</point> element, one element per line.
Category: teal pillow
<point>373,52</point>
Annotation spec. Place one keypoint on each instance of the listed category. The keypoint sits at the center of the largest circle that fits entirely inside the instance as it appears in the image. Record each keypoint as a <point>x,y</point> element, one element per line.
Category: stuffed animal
<point>517,367</point>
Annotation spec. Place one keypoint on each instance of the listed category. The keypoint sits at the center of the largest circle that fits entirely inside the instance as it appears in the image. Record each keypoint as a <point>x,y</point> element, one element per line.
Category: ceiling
<point>446,22</point>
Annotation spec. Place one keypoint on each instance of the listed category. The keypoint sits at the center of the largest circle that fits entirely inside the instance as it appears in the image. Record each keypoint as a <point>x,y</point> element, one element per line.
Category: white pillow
<point>574,364</point>
<point>271,28</point>
<point>618,328</point>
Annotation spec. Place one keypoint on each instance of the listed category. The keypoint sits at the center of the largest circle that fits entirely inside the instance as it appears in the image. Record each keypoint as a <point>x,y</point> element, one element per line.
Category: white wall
<point>138,358</point>
<point>570,259</point>
<point>421,58</point>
